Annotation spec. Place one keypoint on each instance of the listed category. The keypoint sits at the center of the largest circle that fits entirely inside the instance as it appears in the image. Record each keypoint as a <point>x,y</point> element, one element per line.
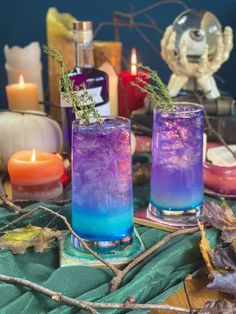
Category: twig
<point>211,129</point>
<point>147,40</point>
<point>118,274</point>
<point>157,4</point>
<point>16,209</point>
<point>56,296</point>
<point>115,270</point>
<point>123,24</point>
<point>54,202</point>
<point>157,28</point>
<point>89,306</point>
<point>218,135</point>
<point>187,295</point>
<point>123,19</point>
<point>3,197</point>
<point>18,219</point>
<point>117,279</point>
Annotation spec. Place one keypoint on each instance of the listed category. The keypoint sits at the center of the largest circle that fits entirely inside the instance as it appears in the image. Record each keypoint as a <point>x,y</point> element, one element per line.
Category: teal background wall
<point>23,21</point>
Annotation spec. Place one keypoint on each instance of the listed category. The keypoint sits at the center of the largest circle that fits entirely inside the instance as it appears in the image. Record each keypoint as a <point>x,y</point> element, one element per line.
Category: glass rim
<point>124,119</point>
<point>200,108</point>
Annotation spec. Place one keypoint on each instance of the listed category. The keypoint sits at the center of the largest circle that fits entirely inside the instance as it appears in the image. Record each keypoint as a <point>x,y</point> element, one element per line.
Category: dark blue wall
<point>23,21</point>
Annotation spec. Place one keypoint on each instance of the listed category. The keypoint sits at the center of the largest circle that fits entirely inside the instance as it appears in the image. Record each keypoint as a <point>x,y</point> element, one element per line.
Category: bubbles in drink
<point>102,180</point>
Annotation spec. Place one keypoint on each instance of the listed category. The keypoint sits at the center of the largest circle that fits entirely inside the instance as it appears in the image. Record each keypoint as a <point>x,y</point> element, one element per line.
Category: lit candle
<point>133,62</point>
<point>22,96</point>
<point>130,97</point>
<point>36,175</point>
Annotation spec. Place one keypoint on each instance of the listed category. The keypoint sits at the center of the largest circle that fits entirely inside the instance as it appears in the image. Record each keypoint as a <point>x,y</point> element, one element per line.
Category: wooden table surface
<point>198,294</point>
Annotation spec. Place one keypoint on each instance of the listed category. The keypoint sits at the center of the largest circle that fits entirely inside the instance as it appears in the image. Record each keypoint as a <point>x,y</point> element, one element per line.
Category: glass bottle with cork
<point>86,76</point>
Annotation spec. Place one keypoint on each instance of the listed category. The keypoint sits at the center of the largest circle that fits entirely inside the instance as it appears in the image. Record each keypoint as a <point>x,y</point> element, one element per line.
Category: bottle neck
<point>84,54</point>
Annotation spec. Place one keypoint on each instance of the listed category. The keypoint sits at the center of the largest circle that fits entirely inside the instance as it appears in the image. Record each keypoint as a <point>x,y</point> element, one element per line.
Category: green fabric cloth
<point>152,281</point>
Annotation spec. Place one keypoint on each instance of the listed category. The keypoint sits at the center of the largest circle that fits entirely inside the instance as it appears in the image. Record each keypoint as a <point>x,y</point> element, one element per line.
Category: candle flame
<point>33,156</point>
<point>21,80</point>
<point>133,62</point>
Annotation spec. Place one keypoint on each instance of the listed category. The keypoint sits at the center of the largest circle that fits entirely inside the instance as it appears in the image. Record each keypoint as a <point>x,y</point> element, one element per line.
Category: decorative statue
<point>194,48</point>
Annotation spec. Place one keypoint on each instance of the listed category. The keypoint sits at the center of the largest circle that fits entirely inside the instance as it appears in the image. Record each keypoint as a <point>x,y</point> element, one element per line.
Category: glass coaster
<point>103,246</point>
<point>177,219</point>
<point>69,255</point>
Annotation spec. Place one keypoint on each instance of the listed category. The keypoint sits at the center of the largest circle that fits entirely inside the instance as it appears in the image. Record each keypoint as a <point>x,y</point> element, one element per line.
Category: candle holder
<point>177,165</point>
<point>102,197</point>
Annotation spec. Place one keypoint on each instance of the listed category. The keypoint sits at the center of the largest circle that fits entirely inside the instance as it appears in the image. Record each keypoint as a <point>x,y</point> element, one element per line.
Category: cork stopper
<point>82,25</point>
<point>83,31</point>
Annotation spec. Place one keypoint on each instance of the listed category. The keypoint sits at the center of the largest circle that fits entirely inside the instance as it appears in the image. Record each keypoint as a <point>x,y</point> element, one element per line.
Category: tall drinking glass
<point>102,196</point>
<point>177,164</point>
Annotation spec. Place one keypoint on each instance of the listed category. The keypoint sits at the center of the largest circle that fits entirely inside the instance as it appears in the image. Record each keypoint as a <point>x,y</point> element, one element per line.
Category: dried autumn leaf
<point>225,282</point>
<point>222,218</point>
<point>224,275</point>
<point>18,240</point>
<point>206,250</point>
<point>218,307</point>
<point>224,258</point>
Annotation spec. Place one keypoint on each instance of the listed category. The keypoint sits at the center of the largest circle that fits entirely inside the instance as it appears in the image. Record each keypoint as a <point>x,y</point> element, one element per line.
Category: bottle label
<point>95,92</point>
<point>102,108</point>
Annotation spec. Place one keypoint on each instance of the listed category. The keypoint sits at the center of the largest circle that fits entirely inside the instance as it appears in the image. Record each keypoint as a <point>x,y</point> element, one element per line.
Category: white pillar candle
<point>25,61</point>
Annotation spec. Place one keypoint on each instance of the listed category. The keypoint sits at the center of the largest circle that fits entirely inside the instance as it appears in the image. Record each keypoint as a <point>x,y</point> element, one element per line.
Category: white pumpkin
<point>25,131</point>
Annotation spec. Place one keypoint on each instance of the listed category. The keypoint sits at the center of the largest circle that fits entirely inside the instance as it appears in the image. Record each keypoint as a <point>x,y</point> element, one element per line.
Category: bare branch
<point>9,204</point>
<point>218,135</point>
<point>146,39</point>
<point>4,199</point>
<point>56,296</point>
<point>5,227</point>
<point>115,270</point>
<point>116,281</point>
<point>155,25</point>
<point>89,306</point>
<point>158,4</point>
<point>211,129</point>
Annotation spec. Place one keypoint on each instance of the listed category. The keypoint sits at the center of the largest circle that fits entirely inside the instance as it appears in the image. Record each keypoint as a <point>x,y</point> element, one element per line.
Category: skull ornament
<point>195,47</point>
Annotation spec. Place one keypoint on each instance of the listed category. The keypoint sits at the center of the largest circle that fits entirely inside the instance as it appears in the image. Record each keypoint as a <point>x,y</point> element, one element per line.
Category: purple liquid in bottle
<point>86,76</point>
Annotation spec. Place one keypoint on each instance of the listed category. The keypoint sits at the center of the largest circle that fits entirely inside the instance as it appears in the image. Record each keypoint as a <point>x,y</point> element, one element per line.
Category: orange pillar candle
<point>22,96</point>
<point>36,175</point>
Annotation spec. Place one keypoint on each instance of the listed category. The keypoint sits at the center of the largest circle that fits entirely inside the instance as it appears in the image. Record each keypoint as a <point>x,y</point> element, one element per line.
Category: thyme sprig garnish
<point>83,104</point>
<point>156,90</point>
